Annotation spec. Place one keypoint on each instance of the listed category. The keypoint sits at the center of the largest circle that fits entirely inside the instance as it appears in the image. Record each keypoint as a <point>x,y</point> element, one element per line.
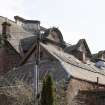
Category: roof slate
<point>76,46</point>
<point>26,43</point>
<point>16,32</point>
<point>76,68</point>
<point>68,65</point>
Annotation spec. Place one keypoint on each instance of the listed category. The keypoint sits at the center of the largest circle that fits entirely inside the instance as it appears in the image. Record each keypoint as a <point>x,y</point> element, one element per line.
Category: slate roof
<point>17,32</point>
<point>70,48</point>
<point>65,66</point>
<point>76,46</point>
<point>25,73</point>
<point>62,68</point>
<point>25,20</point>
<point>26,43</point>
<point>98,56</point>
<point>75,68</point>
<point>54,29</point>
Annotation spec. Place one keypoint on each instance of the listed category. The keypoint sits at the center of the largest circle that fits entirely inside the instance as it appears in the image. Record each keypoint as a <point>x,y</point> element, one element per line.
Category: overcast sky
<point>75,18</point>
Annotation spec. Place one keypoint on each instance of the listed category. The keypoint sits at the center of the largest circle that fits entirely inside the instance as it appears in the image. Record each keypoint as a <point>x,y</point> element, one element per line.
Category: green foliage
<point>48,91</point>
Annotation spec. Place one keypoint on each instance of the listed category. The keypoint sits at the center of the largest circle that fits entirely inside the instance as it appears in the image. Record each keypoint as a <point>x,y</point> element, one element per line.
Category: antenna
<point>36,69</point>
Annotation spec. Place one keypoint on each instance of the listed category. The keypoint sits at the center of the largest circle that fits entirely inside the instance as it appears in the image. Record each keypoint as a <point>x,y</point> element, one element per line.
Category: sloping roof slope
<point>16,32</point>
<point>99,55</point>
<point>65,67</point>
<point>25,73</point>
<point>75,68</point>
<point>26,43</point>
<point>75,47</point>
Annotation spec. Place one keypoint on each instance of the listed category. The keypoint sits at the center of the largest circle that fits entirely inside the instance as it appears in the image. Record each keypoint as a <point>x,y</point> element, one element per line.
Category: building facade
<point>78,79</point>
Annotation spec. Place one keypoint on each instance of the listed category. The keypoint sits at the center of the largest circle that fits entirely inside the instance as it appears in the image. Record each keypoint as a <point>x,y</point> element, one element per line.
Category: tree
<point>48,91</point>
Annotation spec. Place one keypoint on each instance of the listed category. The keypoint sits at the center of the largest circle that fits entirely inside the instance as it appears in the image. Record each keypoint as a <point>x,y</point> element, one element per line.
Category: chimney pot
<point>6,29</point>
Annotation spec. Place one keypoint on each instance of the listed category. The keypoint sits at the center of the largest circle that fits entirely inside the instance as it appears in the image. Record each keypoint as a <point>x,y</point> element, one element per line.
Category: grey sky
<point>75,18</point>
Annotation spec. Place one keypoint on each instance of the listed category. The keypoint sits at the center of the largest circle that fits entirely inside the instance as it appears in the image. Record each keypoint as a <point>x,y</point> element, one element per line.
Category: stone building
<point>100,55</point>
<point>78,80</point>
<point>81,50</point>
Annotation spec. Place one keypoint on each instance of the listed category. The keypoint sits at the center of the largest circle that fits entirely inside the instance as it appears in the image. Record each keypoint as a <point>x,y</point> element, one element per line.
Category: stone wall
<point>74,95</point>
<point>89,98</point>
<point>9,58</point>
<point>15,95</point>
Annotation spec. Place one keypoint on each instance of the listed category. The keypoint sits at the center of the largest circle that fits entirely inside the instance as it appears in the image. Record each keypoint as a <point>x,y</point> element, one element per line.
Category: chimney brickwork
<point>6,30</point>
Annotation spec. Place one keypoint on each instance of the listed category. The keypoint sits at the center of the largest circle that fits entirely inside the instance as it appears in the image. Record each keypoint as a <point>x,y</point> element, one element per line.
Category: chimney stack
<point>81,56</point>
<point>6,29</point>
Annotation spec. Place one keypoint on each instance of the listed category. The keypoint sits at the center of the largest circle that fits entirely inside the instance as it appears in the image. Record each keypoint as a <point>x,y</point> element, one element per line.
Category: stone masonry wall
<point>75,86</point>
<point>8,59</point>
<point>89,98</point>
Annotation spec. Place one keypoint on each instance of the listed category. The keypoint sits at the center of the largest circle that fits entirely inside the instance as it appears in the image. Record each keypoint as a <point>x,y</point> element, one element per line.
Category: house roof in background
<point>98,55</point>
<point>76,46</point>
